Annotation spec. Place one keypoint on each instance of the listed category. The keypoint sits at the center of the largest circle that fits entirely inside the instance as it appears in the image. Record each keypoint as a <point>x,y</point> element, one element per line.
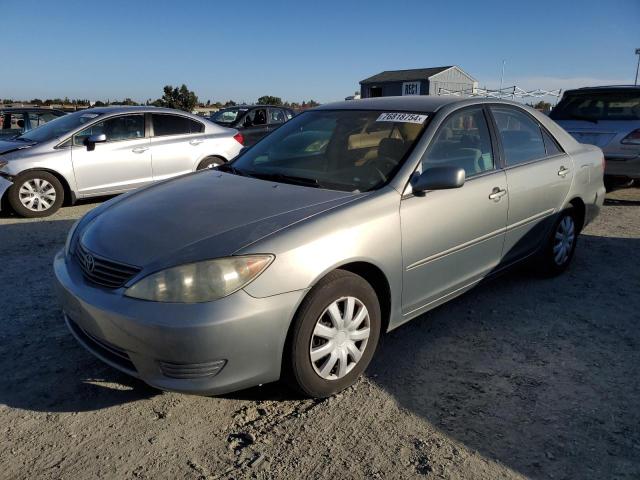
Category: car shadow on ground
<point>537,374</point>
<point>44,368</point>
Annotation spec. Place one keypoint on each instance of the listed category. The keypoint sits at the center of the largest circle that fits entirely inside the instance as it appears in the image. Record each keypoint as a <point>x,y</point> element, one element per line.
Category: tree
<point>230,103</point>
<point>36,101</point>
<point>269,100</point>
<point>99,103</point>
<point>542,106</point>
<point>180,98</point>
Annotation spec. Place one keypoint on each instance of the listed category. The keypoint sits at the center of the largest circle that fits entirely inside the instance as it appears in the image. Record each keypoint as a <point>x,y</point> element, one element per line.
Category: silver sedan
<point>105,151</point>
<point>348,221</point>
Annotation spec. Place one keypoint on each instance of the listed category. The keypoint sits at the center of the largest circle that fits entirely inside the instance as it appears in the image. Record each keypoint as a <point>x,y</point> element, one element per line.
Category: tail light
<point>238,137</point>
<point>632,139</point>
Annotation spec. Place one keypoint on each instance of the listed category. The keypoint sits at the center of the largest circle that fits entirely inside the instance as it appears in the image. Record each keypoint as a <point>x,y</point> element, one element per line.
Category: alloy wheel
<point>339,338</point>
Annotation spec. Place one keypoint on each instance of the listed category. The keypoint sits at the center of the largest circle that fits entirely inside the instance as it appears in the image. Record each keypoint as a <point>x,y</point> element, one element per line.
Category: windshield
<point>228,115</point>
<point>59,127</point>
<point>599,106</point>
<point>342,149</point>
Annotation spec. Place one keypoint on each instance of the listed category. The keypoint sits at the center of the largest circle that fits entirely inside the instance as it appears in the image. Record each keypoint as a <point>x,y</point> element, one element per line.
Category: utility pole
<point>502,77</point>
<point>638,67</point>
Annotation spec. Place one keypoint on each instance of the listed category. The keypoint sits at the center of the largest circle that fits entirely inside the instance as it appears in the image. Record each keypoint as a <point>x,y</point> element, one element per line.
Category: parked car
<point>348,221</point>
<point>105,151</point>
<point>254,121</point>
<point>608,117</point>
<point>16,121</point>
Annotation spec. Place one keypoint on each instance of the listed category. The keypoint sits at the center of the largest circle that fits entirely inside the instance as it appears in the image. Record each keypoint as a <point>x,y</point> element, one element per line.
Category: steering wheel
<point>384,164</point>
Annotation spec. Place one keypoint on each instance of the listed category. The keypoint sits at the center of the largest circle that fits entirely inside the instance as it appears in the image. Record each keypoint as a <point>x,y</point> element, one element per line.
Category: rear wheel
<point>36,194</point>
<point>561,246</point>
<point>334,335</point>
<point>211,162</point>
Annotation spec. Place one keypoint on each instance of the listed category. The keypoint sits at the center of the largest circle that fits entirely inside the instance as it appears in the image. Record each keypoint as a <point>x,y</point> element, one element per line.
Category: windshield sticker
<point>402,117</point>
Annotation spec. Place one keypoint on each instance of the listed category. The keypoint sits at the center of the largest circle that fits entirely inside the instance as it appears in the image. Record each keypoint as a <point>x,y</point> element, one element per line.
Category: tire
<point>333,294</point>
<point>36,194</point>
<point>211,162</point>
<point>561,245</point>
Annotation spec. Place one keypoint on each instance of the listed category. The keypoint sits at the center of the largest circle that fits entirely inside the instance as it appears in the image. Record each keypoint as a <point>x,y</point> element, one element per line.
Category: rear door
<point>276,118</point>
<point>121,163</point>
<point>539,175</point>
<point>176,144</point>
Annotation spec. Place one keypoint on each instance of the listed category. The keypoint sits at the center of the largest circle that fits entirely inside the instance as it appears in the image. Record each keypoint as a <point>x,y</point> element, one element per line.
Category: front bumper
<point>622,167</point>
<point>205,348</point>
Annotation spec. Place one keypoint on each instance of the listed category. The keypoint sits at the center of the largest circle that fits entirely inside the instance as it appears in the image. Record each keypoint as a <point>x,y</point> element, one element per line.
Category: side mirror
<point>93,139</point>
<point>247,122</point>
<point>438,178</point>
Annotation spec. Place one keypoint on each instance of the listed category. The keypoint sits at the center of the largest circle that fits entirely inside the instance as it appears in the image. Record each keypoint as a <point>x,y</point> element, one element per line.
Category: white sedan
<point>106,151</point>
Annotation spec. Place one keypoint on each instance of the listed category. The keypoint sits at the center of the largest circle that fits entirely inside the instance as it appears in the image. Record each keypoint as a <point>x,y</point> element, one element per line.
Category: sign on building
<point>410,88</point>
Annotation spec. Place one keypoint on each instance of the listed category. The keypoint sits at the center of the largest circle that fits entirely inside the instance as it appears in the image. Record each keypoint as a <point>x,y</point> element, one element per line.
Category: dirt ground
<point>521,377</point>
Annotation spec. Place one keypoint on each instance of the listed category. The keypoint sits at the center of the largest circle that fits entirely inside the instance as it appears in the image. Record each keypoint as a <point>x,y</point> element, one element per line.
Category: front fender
<point>4,186</point>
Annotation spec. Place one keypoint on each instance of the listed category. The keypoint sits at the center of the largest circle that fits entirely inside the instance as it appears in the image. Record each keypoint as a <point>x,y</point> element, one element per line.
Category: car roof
<point>30,109</point>
<point>603,88</point>
<point>413,103</point>
<point>133,108</point>
<point>250,107</point>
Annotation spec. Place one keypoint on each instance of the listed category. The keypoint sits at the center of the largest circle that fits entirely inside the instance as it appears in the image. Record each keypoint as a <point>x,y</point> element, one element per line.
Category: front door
<point>254,125</point>
<point>453,238</point>
<point>539,176</point>
<point>121,163</point>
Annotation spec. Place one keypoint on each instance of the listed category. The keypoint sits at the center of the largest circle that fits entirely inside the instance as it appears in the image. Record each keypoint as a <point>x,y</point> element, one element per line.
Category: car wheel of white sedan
<point>211,162</point>
<point>334,334</point>
<point>36,194</point>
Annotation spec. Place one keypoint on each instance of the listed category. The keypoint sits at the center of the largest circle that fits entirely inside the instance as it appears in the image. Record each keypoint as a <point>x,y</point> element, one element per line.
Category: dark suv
<point>15,121</point>
<point>608,117</point>
<point>253,121</point>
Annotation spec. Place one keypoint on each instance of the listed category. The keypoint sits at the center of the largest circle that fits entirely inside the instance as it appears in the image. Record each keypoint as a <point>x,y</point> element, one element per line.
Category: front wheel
<point>210,162</point>
<point>334,335</point>
<point>36,194</point>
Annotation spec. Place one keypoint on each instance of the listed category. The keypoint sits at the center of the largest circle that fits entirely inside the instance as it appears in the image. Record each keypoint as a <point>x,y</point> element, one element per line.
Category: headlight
<point>67,244</point>
<point>202,281</point>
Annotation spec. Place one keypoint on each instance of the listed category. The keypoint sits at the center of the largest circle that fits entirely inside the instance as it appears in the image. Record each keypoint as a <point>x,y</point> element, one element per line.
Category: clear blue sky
<point>304,49</point>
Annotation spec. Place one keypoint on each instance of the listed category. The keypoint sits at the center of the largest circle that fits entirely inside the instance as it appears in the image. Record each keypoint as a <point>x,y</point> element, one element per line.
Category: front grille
<point>102,349</point>
<point>191,370</point>
<point>101,271</point>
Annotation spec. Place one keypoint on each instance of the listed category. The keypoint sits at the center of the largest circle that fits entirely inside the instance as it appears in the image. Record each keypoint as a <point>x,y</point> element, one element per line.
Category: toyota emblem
<point>89,262</point>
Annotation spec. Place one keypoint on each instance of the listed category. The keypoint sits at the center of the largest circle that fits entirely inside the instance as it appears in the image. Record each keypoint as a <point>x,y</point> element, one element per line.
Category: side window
<point>195,126</point>
<point>13,121</point>
<point>521,136</point>
<point>127,127</point>
<point>550,144</point>
<point>276,116</point>
<point>463,141</point>
<point>259,117</point>
<point>166,124</point>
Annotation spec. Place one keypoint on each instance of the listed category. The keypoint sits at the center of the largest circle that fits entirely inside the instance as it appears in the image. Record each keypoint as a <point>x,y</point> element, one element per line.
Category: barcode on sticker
<point>402,117</point>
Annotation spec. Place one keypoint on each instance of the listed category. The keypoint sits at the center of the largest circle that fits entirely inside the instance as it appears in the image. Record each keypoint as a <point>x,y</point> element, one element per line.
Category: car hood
<point>198,216</point>
<point>7,146</point>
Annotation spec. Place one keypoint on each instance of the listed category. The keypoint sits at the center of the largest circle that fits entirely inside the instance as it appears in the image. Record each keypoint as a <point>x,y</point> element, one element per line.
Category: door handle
<point>196,142</point>
<point>140,149</point>
<point>563,171</point>
<point>497,194</point>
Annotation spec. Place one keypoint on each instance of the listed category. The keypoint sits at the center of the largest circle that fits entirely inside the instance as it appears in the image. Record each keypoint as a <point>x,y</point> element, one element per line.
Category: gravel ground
<point>521,377</point>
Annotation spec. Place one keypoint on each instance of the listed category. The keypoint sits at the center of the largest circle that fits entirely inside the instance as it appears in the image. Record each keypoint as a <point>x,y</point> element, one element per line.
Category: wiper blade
<point>281,177</point>
<point>227,167</point>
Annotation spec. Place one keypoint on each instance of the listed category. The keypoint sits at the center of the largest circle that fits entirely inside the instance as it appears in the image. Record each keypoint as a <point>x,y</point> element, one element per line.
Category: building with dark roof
<point>417,81</point>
